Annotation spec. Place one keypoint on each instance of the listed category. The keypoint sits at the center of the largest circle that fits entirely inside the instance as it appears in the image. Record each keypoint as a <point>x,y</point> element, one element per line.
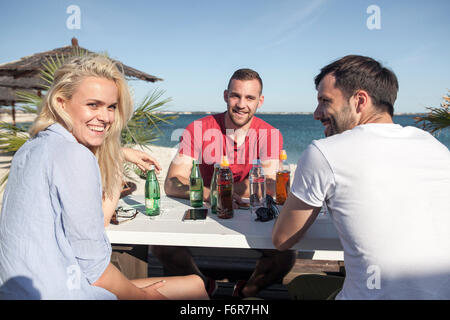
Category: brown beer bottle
<point>225,190</point>
<point>283,180</point>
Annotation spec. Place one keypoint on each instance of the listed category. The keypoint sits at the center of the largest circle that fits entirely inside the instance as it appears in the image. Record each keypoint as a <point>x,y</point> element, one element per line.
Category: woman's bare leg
<point>189,287</point>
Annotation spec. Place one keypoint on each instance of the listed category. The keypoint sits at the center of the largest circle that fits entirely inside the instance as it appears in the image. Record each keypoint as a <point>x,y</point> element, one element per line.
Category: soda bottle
<point>257,182</point>
<point>225,191</point>
<point>152,200</point>
<point>283,179</point>
<point>196,186</point>
<point>213,193</point>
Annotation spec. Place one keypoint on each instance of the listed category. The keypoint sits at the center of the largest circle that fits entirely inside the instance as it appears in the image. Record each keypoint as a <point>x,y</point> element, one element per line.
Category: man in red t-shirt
<point>242,137</point>
<point>206,140</point>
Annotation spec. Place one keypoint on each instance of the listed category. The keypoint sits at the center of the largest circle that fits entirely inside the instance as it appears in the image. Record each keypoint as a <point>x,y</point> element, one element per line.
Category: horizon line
<point>270,112</point>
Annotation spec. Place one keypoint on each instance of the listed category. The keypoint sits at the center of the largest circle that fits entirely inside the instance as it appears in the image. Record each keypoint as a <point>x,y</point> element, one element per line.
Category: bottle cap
<point>224,162</point>
<point>283,155</point>
<point>152,167</point>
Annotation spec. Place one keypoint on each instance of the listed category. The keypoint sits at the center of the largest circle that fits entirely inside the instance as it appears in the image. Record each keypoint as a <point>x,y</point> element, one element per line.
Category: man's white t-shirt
<point>387,188</point>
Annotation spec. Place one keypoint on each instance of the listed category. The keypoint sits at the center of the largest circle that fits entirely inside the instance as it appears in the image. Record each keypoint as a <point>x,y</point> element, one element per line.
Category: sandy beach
<point>20,117</point>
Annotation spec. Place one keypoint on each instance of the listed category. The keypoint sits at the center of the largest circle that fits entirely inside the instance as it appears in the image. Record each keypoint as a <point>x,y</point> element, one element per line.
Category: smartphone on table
<point>195,214</point>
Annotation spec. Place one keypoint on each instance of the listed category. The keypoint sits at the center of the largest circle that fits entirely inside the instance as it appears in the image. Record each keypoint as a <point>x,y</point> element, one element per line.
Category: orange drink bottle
<point>225,190</point>
<point>283,180</point>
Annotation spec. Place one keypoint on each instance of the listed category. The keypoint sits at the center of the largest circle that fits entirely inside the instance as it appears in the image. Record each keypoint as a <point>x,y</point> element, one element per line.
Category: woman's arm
<point>140,159</point>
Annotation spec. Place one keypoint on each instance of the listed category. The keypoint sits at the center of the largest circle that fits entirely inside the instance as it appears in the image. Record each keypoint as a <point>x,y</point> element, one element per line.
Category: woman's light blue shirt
<point>53,243</point>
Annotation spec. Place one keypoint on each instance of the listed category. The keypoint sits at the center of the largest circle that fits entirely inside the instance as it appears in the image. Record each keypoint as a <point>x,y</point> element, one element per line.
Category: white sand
<point>20,117</point>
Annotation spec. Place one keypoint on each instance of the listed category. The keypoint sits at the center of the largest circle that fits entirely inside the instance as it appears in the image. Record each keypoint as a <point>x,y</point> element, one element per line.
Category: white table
<point>242,231</point>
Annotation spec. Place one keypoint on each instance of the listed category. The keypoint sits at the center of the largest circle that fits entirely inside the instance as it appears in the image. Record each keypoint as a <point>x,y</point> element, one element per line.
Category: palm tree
<point>141,130</point>
<point>438,118</point>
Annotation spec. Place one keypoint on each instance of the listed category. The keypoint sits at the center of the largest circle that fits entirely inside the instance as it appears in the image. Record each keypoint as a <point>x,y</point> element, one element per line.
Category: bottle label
<point>151,204</point>
<point>196,195</point>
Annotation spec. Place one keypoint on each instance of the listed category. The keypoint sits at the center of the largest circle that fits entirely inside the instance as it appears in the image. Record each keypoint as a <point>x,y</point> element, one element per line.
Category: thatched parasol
<point>29,67</point>
<point>25,73</point>
<point>21,83</point>
<point>7,96</point>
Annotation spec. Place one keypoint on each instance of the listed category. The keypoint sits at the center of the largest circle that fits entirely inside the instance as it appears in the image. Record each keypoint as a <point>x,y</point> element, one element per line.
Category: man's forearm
<point>242,188</point>
<point>271,186</point>
<point>176,188</point>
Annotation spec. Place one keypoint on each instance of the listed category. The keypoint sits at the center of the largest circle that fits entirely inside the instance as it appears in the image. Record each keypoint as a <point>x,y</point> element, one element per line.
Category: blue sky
<point>195,46</point>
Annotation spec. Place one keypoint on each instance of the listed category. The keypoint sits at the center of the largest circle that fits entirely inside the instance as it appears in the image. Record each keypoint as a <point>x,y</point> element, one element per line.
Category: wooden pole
<point>13,113</point>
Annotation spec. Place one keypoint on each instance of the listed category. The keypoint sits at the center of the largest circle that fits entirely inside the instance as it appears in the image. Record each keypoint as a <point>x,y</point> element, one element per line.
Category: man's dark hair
<point>246,74</point>
<point>354,73</point>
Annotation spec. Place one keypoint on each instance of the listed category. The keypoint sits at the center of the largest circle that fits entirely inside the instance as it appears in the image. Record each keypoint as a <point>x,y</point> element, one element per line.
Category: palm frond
<point>143,128</point>
<point>437,118</point>
<point>29,101</point>
<point>3,180</point>
<point>11,137</point>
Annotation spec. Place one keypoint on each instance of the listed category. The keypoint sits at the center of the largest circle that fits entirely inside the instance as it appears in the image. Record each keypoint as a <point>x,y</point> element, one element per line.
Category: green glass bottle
<point>152,194</point>
<point>196,186</point>
<point>213,193</point>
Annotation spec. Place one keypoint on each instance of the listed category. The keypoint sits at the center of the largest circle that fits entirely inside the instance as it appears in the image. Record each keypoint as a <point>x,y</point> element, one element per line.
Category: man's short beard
<point>238,124</point>
<point>342,121</point>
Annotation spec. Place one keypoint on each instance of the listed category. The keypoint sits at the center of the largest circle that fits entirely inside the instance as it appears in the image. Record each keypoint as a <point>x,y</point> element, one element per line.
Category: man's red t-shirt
<point>205,139</point>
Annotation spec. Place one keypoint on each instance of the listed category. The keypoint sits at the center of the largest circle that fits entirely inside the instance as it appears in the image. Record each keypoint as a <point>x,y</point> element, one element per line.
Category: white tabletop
<point>242,231</point>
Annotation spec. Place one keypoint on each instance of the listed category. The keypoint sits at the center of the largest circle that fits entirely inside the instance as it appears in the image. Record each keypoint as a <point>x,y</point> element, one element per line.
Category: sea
<point>298,130</point>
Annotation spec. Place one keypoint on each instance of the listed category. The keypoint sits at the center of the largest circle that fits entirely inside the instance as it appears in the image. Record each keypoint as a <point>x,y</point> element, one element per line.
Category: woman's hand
<point>140,159</point>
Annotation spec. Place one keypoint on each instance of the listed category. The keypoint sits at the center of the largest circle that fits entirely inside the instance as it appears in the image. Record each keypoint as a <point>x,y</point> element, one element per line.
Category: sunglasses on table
<point>124,214</point>
<point>269,212</point>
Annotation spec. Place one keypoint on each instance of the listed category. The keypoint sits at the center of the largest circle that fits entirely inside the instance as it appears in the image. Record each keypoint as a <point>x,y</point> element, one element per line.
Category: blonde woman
<point>53,243</point>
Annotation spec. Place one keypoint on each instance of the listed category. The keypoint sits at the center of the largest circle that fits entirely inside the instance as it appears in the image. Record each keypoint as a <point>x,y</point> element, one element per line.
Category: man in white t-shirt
<point>386,187</point>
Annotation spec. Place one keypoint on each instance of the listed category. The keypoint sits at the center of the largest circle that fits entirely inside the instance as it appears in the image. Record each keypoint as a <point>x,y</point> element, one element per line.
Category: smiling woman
<point>83,90</point>
<point>53,243</point>
<point>92,109</point>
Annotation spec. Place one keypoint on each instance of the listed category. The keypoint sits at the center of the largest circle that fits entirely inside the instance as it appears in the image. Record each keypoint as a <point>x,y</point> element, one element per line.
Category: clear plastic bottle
<point>283,180</point>
<point>257,182</point>
<point>213,193</point>
<point>152,193</point>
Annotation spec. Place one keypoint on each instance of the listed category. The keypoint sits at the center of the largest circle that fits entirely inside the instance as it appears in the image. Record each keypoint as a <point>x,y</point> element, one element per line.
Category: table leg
<point>131,260</point>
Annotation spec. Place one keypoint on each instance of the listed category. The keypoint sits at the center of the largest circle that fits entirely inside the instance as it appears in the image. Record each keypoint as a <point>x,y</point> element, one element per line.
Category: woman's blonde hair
<point>66,81</point>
